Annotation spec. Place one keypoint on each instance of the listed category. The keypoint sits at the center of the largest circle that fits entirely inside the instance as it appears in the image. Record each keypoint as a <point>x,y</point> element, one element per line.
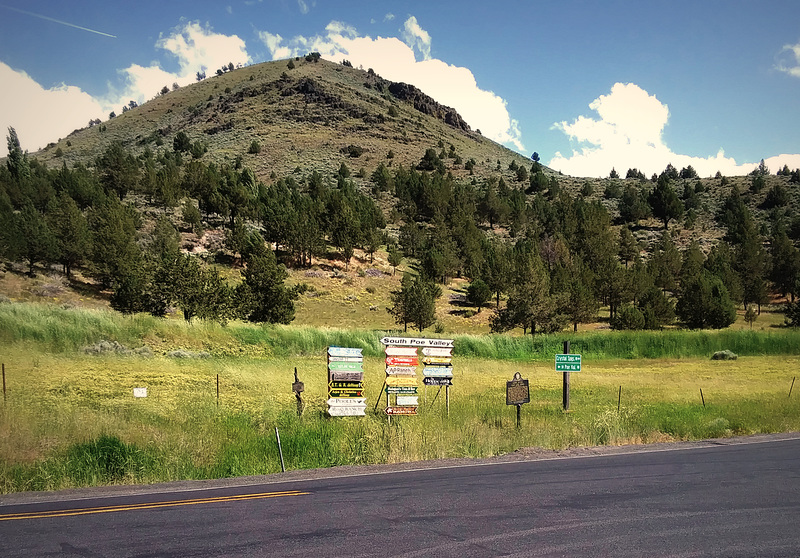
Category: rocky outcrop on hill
<point>426,105</point>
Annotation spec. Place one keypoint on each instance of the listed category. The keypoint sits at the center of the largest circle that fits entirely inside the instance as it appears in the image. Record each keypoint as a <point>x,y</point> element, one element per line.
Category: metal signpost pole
<point>566,380</point>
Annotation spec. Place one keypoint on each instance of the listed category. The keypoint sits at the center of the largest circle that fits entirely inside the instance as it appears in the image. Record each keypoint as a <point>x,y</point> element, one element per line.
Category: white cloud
<point>196,49</point>
<point>395,60</point>
<point>303,7</point>
<point>388,17</point>
<point>416,37</point>
<point>789,60</point>
<point>41,115</point>
<point>629,133</point>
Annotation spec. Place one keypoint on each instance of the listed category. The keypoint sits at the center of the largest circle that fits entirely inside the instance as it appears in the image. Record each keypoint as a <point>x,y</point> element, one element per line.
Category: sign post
<point>402,360</point>
<point>518,393</point>
<point>346,382</point>
<point>567,363</point>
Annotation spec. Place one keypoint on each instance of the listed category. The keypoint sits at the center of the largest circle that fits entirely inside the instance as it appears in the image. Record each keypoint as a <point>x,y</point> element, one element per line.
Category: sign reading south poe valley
<point>416,342</point>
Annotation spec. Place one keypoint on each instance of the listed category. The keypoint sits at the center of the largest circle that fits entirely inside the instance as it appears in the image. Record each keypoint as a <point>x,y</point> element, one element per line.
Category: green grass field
<point>70,419</point>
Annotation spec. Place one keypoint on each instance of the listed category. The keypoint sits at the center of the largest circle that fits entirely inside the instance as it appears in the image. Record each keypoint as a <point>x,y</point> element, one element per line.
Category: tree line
<point>519,237</point>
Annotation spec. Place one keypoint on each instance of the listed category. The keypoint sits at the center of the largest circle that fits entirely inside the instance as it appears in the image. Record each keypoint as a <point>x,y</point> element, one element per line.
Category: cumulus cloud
<point>789,60</point>
<point>41,115</point>
<point>195,48</point>
<point>388,17</point>
<point>395,60</point>
<point>416,37</point>
<point>629,133</point>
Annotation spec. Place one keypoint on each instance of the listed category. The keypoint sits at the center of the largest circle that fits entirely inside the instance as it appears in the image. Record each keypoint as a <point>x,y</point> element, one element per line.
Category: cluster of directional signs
<point>346,382</point>
<point>346,375</point>
<point>401,370</point>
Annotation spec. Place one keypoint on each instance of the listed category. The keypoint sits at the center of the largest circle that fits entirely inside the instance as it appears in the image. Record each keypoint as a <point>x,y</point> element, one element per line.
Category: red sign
<point>401,361</point>
<point>401,410</point>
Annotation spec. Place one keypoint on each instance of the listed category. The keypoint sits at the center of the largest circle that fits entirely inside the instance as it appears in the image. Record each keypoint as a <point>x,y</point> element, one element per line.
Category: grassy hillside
<point>303,118</point>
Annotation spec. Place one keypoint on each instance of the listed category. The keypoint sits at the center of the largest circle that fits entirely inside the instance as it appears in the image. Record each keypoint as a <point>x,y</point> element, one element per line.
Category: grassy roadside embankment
<point>71,419</point>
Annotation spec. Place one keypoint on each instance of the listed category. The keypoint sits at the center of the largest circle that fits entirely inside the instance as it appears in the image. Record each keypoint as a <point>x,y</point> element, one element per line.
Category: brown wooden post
<point>4,384</point>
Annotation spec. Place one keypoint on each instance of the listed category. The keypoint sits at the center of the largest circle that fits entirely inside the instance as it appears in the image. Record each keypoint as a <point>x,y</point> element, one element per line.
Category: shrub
<point>255,148</point>
<point>628,317</point>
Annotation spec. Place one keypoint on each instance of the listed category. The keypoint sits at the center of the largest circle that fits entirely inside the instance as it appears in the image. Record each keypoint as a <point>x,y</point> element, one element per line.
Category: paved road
<point>724,500</point>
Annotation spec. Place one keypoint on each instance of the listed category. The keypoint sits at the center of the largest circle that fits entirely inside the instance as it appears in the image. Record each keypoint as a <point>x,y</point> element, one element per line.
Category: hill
<point>338,168</point>
<point>311,117</point>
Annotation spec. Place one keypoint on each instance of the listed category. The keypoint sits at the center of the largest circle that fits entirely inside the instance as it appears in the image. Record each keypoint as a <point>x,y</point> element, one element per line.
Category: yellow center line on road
<point>147,506</point>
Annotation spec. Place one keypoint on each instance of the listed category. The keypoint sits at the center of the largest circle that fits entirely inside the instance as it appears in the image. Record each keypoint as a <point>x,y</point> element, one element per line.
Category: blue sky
<point>588,85</point>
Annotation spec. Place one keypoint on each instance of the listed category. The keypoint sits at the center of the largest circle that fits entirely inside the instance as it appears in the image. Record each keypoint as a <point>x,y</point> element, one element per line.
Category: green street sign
<point>568,363</point>
<point>345,367</point>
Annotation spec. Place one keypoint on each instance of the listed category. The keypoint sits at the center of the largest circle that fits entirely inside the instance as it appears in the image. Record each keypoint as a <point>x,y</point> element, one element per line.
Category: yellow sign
<point>400,381</point>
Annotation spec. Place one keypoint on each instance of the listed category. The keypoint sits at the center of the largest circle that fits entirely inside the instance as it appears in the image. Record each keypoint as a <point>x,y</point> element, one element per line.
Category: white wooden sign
<point>401,370</point>
<point>406,400</point>
<point>438,371</point>
<point>401,351</point>
<point>347,402</point>
<point>348,411</point>
<point>437,351</point>
<point>140,392</point>
<point>344,352</point>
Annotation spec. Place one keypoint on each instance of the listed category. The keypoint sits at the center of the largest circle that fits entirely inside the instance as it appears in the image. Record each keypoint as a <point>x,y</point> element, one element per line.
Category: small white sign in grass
<point>140,392</point>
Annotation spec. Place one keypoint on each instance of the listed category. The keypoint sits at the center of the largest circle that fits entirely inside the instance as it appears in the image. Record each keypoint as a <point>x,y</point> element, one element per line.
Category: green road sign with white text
<point>568,363</point>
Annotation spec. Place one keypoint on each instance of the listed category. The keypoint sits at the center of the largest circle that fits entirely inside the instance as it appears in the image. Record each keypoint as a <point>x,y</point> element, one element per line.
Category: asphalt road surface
<point>718,499</point>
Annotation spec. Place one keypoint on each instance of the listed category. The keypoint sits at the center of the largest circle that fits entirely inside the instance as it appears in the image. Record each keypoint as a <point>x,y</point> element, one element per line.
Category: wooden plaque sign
<point>517,391</point>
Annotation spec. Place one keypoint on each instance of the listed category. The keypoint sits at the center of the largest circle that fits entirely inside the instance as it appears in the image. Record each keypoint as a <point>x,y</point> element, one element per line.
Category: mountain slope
<point>304,117</point>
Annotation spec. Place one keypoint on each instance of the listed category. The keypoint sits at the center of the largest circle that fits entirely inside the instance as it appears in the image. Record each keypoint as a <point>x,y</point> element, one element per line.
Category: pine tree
<point>263,295</point>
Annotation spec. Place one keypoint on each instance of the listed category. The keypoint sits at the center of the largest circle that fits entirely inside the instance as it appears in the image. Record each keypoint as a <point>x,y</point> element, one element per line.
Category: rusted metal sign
<point>517,391</point>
